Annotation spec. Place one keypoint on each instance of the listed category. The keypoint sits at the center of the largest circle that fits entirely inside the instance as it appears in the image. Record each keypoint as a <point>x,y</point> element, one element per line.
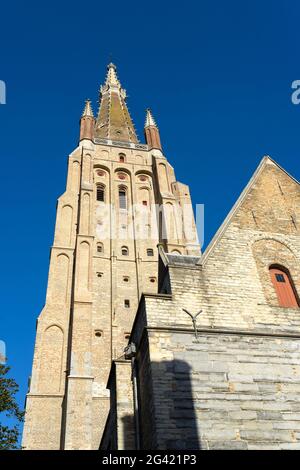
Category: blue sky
<point>217,76</point>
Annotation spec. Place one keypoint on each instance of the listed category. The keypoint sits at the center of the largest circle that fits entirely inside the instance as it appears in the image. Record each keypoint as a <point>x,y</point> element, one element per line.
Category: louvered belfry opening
<point>122,199</point>
<point>100,192</point>
<point>284,287</point>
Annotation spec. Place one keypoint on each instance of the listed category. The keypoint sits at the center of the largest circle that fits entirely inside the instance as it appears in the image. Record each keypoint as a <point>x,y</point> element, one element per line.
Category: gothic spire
<point>88,111</point>
<point>150,121</point>
<point>111,77</point>
<point>114,121</point>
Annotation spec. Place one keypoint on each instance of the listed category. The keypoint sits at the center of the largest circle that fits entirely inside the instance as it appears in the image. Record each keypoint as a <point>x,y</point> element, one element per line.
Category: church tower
<point>121,201</point>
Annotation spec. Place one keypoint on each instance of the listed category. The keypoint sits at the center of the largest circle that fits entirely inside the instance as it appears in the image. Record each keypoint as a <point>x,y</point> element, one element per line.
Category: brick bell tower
<point>121,200</point>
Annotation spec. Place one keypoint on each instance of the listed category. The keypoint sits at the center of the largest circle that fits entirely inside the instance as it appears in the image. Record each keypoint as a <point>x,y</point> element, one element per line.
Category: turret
<point>151,132</point>
<point>87,122</point>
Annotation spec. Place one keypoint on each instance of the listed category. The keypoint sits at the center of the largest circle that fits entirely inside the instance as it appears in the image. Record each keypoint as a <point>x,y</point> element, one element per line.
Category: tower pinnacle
<point>111,78</point>
<point>87,122</point>
<point>150,121</point>
<point>151,131</point>
<point>88,111</point>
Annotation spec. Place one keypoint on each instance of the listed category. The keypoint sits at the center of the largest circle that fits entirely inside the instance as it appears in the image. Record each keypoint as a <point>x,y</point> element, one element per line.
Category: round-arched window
<point>124,251</point>
<point>100,192</point>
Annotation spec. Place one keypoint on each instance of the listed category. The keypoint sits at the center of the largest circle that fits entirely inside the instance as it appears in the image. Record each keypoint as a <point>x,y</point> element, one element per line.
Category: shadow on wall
<point>166,408</point>
<point>128,432</point>
<point>175,416</point>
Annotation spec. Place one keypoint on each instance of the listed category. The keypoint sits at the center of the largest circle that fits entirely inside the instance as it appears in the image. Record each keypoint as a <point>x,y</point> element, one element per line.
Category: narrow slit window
<point>100,193</point>
<point>126,303</point>
<point>122,199</point>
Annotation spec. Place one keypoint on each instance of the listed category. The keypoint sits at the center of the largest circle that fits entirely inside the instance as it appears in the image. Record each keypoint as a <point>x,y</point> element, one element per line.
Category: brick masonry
<point>237,385</point>
<point>93,288</point>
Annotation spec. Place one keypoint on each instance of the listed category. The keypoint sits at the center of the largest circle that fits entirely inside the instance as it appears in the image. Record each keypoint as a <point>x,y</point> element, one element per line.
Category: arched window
<point>124,251</point>
<point>122,198</point>
<point>100,192</point>
<point>122,157</point>
<point>284,287</point>
<point>99,248</point>
<point>150,252</point>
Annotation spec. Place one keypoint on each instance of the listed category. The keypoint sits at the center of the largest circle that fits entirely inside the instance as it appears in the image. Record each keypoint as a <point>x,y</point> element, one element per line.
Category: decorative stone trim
<point>277,238</point>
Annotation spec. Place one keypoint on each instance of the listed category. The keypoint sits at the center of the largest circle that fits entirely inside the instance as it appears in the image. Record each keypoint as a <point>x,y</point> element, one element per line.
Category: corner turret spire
<point>88,111</point>
<point>150,121</point>
<point>87,122</point>
<point>114,121</point>
<point>151,131</point>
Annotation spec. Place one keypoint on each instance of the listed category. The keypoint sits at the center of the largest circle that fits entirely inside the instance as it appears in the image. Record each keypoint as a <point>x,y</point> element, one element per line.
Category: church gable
<point>270,203</point>
<point>235,285</point>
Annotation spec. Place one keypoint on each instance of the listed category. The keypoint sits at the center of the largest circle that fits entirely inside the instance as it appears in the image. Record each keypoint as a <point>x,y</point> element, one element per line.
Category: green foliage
<point>9,407</point>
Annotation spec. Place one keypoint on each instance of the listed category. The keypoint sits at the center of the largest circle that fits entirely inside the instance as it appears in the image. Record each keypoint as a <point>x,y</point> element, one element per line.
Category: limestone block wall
<point>222,391</point>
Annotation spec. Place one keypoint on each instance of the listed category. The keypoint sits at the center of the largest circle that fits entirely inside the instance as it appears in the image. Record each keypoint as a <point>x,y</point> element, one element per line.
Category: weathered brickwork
<point>236,385</point>
<point>231,282</point>
<point>94,287</point>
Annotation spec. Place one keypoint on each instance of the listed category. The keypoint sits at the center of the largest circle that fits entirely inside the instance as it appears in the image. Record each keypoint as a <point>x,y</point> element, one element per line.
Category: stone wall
<point>223,391</point>
<point>237,386</point>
